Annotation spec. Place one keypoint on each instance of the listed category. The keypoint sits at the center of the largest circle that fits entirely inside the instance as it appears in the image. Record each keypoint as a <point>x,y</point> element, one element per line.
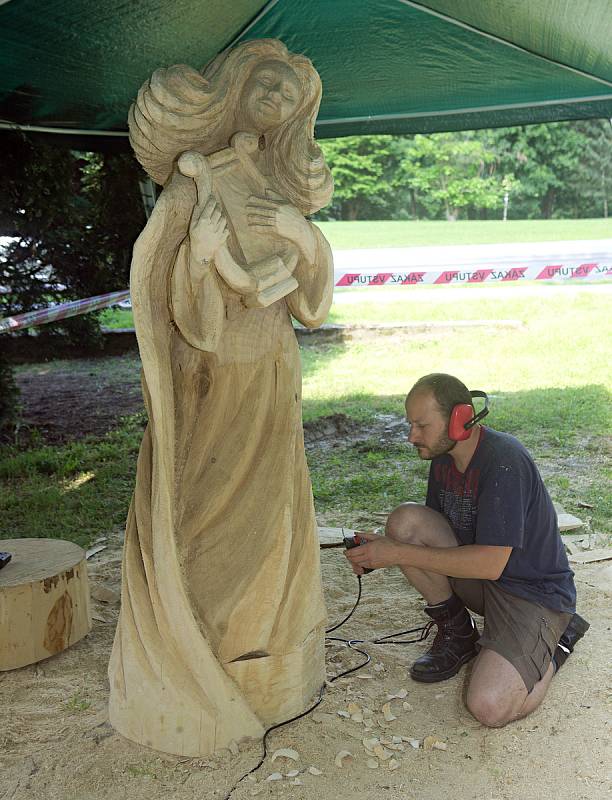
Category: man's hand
<point>378,552</point>
<point>485,562</point>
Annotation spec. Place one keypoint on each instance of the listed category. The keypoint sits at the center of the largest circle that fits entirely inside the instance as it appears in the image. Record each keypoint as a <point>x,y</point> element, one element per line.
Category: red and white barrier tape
<point>71,309</point>
<point>591,271</point>
<point>342,278</point>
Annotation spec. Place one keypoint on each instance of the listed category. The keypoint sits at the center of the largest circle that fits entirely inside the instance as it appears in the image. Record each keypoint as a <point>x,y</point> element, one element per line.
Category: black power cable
<point>350,643</point>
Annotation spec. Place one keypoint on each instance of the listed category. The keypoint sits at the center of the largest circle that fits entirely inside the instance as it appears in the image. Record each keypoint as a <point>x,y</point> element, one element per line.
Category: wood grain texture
<point>221,631</point>
<point>44,600</point>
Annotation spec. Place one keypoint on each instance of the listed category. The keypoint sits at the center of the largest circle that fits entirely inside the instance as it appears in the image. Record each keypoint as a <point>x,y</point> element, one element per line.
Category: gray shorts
<point>524,633</point>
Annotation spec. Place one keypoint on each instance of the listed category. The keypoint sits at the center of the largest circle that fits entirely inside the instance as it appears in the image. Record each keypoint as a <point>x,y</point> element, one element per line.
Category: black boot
<point>454,645</point>
<point>575,630</point>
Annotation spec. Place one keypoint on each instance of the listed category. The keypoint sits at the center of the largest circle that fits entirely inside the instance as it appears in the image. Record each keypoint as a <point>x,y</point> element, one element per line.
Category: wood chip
<point>344,714</point>
<point>341,757</point>
<point>382,753</point>
<point>568,522</point>
<point>590,556</point>
<point>433,743</point>
<point>285,752</point>
<point>387,713</point>
<point>94,550</point>
<point>103,594</point>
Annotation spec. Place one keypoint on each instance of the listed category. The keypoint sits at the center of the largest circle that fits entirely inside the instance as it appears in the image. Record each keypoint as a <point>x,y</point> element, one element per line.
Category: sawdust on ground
<point>56,742</point>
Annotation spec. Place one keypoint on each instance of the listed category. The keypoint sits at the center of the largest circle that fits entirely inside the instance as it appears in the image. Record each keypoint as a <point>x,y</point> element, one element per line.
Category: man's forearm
<point>470,561</point>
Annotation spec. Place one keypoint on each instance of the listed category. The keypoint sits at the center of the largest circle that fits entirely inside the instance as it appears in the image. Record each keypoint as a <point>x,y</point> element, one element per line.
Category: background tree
<point>546,161</point>
<point>365,174</point>
<point>72,219</point>
<point>594,180</point>
<point>452,172</point>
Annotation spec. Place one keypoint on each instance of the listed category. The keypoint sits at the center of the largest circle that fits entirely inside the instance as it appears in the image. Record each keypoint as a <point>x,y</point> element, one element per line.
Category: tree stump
<point>44,600</point>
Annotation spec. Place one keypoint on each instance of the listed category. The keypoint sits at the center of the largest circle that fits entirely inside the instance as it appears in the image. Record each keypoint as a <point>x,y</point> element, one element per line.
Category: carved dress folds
<point>222,605</point>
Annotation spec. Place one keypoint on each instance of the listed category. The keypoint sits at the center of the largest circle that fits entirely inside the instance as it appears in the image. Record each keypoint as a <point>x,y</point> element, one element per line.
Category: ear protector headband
<point>463,419</point>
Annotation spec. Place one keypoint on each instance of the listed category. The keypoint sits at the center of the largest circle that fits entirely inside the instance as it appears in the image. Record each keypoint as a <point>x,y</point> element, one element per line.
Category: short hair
<point>447,390</point>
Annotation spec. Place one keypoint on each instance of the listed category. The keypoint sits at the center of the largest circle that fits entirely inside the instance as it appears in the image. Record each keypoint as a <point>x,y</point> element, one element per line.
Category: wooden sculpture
<point>222,621</point>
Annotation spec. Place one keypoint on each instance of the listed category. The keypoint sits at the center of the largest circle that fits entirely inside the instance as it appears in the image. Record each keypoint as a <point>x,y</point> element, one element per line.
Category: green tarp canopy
<point>388,66</point>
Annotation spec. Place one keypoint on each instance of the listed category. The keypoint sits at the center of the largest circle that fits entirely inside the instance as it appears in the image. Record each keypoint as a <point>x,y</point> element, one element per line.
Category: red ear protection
<point>459,427</point>
<point>463,419</point>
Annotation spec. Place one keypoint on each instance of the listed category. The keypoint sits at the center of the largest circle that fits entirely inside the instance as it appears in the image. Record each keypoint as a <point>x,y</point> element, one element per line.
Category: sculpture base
<point>276,688</point>
<point>279,687</point>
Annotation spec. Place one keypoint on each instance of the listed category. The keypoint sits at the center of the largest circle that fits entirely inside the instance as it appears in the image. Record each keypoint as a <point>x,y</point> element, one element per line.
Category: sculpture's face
<point>270,95</point>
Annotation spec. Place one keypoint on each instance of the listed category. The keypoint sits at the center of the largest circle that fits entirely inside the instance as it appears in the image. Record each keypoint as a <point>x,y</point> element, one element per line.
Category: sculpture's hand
<point>208,231</point>
<point>273,214</point>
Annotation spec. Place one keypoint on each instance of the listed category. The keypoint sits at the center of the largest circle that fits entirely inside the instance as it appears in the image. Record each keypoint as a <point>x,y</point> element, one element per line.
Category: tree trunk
<point>44,600</point>
<point>548,203</point>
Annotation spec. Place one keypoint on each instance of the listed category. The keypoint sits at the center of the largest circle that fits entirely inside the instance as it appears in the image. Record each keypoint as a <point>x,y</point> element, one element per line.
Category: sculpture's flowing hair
<point>182,109</point>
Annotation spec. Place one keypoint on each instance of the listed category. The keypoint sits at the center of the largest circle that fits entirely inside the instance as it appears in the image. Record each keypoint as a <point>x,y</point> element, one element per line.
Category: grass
<point>117,318</point>
<point>76,491</point>
<point>387,233</point>
<point>549,382</point>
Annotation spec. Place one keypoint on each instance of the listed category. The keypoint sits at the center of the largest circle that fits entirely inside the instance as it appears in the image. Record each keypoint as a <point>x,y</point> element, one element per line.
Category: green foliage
<point>560,169</point>
<point>546,160</point>
<point>452,172</point>
<point>9,397</point>
<point>594,184</point>
<point>364,170</point>
<point>73,218</point>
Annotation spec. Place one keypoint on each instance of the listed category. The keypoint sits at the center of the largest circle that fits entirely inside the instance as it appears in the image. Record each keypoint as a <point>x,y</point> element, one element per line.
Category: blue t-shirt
<point>501,500</point>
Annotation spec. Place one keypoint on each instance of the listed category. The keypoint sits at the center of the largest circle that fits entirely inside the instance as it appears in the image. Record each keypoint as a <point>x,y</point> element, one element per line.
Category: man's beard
<point>442,446</point>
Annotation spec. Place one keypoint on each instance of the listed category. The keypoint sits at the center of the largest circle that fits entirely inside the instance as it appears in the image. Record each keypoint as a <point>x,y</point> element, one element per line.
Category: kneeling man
<point>486,540</point>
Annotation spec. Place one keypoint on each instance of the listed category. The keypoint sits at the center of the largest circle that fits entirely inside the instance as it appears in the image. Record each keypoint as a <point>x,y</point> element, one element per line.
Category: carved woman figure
<point>222,620</point>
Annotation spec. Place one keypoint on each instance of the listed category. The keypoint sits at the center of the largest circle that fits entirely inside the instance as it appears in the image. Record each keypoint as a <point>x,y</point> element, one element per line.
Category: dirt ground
<point>56,742</point>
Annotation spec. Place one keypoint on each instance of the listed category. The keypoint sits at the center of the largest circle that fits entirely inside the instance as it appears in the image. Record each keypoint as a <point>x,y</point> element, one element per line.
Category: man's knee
<point>413,523</point>
<point>489,709</point>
